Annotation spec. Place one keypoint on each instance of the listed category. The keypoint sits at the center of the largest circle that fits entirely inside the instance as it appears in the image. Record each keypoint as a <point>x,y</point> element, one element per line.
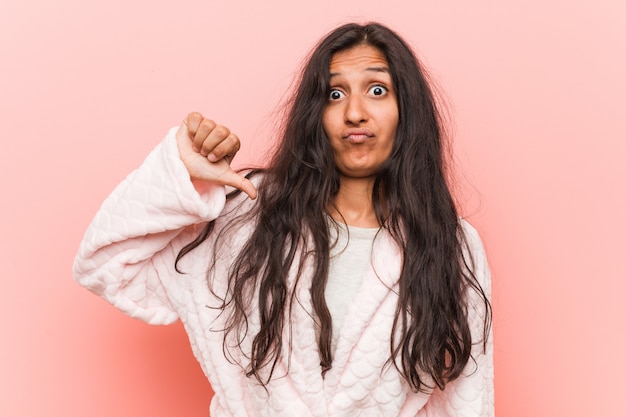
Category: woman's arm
<point>472,393</point>
<point>152,214</point>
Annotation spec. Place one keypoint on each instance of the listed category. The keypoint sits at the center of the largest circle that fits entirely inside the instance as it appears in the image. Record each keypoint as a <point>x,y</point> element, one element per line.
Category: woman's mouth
<point>357,135</point>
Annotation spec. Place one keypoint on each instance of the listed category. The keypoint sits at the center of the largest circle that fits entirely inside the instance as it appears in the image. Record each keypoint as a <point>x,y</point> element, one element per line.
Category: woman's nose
<point>355,112</point>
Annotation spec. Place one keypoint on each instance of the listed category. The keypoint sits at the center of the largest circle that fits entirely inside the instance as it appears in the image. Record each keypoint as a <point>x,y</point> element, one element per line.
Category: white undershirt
<point>350,257</point>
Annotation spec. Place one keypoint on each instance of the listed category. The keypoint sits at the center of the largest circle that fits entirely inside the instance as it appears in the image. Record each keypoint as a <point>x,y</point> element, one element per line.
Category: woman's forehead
<point>358,58</point>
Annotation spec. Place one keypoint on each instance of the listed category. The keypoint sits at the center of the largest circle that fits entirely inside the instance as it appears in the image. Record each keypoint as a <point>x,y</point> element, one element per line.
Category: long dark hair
<point>412,201</point>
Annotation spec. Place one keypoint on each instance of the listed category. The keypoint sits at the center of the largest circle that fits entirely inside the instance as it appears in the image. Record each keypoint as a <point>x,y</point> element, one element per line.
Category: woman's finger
<point>240,182</point>
<point>207,132</point>
<point>216,136</point>
<point>226,149</point>
<point>192,121</point>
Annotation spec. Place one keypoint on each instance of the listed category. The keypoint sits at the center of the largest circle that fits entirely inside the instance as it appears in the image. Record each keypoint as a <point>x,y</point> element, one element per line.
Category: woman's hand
<point>206,149</point>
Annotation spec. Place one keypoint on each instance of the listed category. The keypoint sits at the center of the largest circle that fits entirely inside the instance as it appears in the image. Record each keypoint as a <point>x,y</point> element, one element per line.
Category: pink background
<point>538,97</point>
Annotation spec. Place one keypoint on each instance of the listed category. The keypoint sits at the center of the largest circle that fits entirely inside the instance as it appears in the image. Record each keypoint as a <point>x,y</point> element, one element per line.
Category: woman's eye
<point>378,90</point>
<point>336,94</point>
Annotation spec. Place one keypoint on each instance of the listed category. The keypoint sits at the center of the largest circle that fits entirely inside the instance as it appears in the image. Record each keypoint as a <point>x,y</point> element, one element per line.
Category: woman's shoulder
<point>474,253</point>
<point>471,235</point>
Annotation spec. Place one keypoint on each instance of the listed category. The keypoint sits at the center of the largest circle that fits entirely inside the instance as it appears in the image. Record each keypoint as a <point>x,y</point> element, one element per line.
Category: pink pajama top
<point>127,257</point>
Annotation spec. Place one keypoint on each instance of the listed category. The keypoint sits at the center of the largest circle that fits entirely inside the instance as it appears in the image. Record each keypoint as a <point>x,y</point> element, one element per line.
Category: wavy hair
<point>431,333</point>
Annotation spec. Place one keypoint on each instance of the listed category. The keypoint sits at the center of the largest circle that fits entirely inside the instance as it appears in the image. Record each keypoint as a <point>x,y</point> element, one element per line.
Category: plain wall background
<point>538,100</point>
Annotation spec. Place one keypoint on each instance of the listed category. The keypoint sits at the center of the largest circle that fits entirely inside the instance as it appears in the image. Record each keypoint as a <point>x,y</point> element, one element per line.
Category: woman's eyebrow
<point>372,69</point>
<point>378,69</point>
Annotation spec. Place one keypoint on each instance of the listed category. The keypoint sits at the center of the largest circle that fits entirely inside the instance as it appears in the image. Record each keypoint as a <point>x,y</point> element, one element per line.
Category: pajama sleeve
<point>128,251</point>
<point>472,394</point>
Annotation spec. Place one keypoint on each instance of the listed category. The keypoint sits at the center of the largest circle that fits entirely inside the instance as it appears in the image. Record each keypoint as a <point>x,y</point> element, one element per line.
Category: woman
<point>348,287</point>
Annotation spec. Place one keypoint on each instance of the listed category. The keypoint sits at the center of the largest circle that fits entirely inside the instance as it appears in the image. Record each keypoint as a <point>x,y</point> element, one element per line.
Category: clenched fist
<point>206,149</point>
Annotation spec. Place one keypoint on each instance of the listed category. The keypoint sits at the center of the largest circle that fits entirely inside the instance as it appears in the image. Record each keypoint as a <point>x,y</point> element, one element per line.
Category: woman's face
<point>361,115</point>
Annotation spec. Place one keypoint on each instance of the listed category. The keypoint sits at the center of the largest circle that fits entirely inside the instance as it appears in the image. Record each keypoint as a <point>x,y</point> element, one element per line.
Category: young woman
<point>338,280</point>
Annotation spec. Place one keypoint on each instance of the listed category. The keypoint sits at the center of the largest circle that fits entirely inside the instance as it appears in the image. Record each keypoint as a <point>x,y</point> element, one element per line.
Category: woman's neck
<point>353,203</point>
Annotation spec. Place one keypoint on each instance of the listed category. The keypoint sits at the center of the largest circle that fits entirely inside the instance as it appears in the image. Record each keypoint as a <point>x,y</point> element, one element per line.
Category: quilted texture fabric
<point>127,257</point>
